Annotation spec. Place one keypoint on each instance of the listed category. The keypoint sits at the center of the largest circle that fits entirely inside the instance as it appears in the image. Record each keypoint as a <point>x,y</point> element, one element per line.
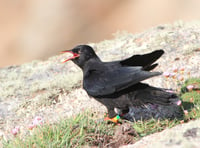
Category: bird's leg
<point>112,116</point>
<point>114,120</point>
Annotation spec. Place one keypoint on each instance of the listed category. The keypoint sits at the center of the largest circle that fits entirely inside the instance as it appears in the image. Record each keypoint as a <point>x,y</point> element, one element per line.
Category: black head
<point>81,54</point>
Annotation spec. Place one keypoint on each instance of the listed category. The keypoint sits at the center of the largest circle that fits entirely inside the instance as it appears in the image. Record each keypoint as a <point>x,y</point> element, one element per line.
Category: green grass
<point>191,100</point>
<point>74,132</point>
<point>84,129</point>
<point>144,128</point>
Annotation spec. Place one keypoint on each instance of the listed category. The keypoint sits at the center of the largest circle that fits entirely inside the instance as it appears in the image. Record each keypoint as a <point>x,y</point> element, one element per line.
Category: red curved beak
<point>74,55</point>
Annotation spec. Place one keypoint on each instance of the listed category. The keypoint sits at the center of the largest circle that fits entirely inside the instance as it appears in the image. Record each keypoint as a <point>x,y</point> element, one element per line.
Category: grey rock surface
<point>182,136</point>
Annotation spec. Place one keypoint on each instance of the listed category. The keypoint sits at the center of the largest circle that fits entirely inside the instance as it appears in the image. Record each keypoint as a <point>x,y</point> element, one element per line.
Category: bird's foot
<point>114,120</point>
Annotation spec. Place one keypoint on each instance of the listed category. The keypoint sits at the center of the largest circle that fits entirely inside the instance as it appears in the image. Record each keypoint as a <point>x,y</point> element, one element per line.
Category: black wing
<point>107,82</point>
<point>144,60</point>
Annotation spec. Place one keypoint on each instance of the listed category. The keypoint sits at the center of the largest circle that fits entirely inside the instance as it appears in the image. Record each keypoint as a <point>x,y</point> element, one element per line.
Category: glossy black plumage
<point>117,84</point>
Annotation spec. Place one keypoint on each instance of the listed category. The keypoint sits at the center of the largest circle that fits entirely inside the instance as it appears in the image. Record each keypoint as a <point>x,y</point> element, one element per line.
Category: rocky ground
<point>52,90</point>
<point>182,136</point>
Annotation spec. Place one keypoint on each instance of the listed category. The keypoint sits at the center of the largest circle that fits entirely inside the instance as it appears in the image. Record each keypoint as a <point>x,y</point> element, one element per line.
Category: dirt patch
<point>124,134</point>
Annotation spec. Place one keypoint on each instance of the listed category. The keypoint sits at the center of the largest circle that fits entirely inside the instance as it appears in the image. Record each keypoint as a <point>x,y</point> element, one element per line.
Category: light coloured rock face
<point>53,90</point>
<point>182,136</point>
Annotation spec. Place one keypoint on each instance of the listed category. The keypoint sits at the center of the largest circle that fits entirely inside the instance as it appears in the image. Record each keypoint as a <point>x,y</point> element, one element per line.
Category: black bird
<point>117,84</point>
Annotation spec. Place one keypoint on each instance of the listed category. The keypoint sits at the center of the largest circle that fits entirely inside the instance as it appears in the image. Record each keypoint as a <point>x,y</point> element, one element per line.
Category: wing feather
<point>100,83</point>
<point>143,60</point>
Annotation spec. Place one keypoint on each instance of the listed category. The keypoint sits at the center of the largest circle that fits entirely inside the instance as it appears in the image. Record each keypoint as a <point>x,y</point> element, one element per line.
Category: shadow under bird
<point>117,84</point>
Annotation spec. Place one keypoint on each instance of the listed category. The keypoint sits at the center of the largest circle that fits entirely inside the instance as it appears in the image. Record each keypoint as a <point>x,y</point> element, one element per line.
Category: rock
<point>185,136</point>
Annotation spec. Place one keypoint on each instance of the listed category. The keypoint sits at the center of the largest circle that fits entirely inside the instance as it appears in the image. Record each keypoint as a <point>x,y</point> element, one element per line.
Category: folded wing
<point>103,83</point>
